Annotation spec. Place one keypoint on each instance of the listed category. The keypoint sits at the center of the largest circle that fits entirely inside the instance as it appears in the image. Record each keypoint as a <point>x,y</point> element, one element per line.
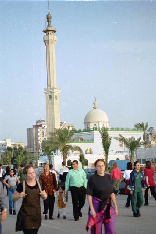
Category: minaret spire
<point>51,92</point>
<point>95,104</point>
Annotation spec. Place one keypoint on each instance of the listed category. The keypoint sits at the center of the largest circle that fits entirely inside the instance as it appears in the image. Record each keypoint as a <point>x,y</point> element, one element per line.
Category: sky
<point>105,49</point>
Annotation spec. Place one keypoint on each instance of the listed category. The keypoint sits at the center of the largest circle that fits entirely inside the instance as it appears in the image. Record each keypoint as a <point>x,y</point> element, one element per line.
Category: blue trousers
<point>12,204</point>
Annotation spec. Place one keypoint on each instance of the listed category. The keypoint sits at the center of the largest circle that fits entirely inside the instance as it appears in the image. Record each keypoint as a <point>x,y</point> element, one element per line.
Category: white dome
<point>96,115</point>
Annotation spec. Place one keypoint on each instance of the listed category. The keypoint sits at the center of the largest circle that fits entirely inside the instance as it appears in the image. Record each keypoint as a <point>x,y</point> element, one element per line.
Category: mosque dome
<point>96,118</point>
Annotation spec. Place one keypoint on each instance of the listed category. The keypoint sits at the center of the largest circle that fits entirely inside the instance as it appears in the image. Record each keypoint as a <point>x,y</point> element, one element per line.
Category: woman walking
<point>116,177</point>
<point>29,216</point>
<point>100,199</point>
<point>126,176</point>
<point>136,187</point>
<point>149,181</point>
<point>10,181</point>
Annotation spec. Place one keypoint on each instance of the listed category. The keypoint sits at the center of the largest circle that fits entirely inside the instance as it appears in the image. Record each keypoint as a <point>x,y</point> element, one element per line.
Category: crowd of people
<point>100,190</point>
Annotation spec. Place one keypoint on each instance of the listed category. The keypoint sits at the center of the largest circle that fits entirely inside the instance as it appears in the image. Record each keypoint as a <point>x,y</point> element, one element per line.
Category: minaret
<point>51,92</point>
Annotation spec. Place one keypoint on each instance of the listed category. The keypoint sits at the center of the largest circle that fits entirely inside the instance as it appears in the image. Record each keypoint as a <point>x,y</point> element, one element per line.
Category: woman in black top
<point>100,194</point>
<point>29,216</point>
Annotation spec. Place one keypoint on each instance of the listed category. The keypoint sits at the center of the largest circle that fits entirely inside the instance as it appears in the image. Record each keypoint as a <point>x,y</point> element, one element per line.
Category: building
<point>51,92</point>
<point>8,143</point>
<point>35,136</point>
<point>88,139</point>
<point>68,126</point>
<point>96,118</point>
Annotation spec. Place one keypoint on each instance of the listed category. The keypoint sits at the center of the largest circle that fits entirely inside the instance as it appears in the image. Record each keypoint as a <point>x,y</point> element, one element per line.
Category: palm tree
<point>144,128</point>
<point>60,140</point>
<point>131,143</point>
<point>83,160</point>
<point>106,142</point>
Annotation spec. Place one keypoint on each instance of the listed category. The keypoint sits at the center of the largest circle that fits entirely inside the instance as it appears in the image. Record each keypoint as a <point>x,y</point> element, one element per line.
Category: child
<point>61,203</point>
<point>29,216</point>
<point>116,176</point>
<point>11,179</point>
<point>136,185</point>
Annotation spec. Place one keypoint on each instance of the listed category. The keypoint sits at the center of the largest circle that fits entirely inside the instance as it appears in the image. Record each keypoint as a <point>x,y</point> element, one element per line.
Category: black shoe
<point>138,213</point>
<point>51,217</point>
<point>58,216</point>
<point>146,204</point>
<point>80,214</point>
<point>127,205</point>
<point>46,216</point>
<point>76,219</point>
<point>14,212</point>
<point>135,215</point>
<point>10,212</point>
<point>64,217</point>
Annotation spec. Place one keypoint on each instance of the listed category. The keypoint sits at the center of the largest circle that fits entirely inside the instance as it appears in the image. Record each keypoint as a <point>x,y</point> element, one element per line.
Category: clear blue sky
<point>104,49</point>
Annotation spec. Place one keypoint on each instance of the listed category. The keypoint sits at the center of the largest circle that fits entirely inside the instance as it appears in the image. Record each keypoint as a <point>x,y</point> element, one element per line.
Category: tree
<point>106,142</point>
<point>6,157</point>
<point>60,140</point>
<point>144,128</point>
<point>69,163</point>
<point>131,143</point>
<point>83,161</point>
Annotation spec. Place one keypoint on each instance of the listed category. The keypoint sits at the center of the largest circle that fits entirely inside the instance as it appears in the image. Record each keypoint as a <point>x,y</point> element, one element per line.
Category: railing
<point>111,129</point>
<point>82,141</point>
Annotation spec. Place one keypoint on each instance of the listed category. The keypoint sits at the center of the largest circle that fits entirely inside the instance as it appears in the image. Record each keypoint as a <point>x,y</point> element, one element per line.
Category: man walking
<point>63,173</point>
<point>77,183</point>
<point>49,184</point>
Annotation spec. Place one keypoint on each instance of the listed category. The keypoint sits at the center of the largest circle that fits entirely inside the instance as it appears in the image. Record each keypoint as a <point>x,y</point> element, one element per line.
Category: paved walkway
<point>126,223</point>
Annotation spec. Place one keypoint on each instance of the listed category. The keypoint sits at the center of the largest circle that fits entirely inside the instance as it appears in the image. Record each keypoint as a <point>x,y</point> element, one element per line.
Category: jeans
<point>12,204</point>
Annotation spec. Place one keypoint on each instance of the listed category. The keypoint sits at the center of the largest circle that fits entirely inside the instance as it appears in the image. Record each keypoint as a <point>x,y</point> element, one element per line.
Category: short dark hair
<point>75,161</point>
<point>50,166</point>
<point>129,166</point>
<point>136,163</point>
<point>63,163</point>
<point>22,165</point>
<point>26,168</point>
<point>12,170</point>
<point>148,164</point>
<point>0,164</point>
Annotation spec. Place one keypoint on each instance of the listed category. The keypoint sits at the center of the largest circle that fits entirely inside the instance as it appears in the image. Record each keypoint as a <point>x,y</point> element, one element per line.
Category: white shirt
<point>64,169</point>
<point>2,172</point>
<point>11,180</point>
<point>126,174</point>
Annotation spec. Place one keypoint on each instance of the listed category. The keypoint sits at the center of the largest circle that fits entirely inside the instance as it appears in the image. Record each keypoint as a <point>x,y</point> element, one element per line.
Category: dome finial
<point>95,104</point>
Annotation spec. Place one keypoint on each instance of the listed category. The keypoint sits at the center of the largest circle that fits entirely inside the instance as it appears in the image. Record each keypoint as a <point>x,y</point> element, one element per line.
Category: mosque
<point>88,139</point>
